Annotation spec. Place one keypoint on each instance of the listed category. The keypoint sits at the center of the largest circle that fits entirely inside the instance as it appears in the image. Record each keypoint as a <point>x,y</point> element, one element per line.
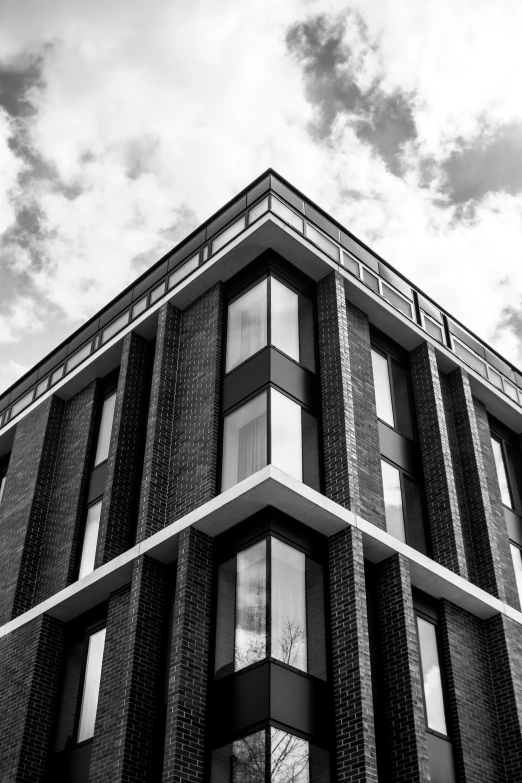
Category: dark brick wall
<point>158,447</point>
<point>30,666</point>
<point>68,496</point>
<point>400,670</point>
<point>193,475</point>
<point>184,760</point>
<point>354,720</point>
<point>476,738</point>
<point>350,433</point>
<point>25,505</point>
<point>484,560</point>
<point>505,654</point>
<point>125,741</point>
<point>442,500</point>
<point>124,464</point>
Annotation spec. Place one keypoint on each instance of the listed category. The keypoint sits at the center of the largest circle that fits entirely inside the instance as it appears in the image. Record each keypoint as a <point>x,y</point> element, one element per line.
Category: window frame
<point>81,541</point>
<point>433,620</point>
<point>108,392</point>
<point>422,492</point>
<point>392,356</point>
<point>88,632</point>
<point>509,468</point>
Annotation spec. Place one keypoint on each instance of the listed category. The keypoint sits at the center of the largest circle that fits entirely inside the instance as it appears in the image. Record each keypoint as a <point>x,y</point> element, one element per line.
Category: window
<point>90,539</point>
<point>270,313</point>
<point>516,555</point>
<point>392,394</point>
<point>403,506</point>
<point>270,605</point>
<point>104,433</point>
<point>91,686</point>
<point>500,463</point>
<point>2,485</point>
<point>270,756</point>
<point>292,445</point>
<point>431,676</point>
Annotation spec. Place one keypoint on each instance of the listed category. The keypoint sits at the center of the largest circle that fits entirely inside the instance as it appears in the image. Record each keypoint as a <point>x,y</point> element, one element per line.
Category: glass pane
<point>90,539</point>
<point>284,314</point>
<point>402,399</point>
<point>287,445</point>
<point>289,758</point>
<point>381,381</point>
<point>393,501</point>
<point>242,761</point>
<point>288,605</point>
<point>416,536</point>
<point>91,686</point>
<point>226,610</point>
<point>516,555</point>
<point>431,676</point>
<point>246,331</point>
<point>250,641</point>
<point>2,485</point>
<point>315,619</point>
<point>311,472</point>
<point>244,442</point>
<point>306,333</point>
<point>104,434</point>
<point>501,472</point>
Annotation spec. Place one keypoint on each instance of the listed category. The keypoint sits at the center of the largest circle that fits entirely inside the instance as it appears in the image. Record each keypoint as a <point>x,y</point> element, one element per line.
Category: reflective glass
<point>104,433</point>
<point>115,327</point>
<point>2,485</point>
<point>91,686</point>
<point>393,501</point>
<point>288,605</point>
<point>381,381</point>
<point>90,539</point>
<point>429,656</point>
<point>225,620</point>
<point>403,418</point>
<point>250,637</point>
<point>247,325</point>
<point>289,758</point>
<point>284,314</point>
<point>501,472</point>
<point>244,442</point>
<point>286,435</point>
<point>242,761</point>
<point>516,556</point>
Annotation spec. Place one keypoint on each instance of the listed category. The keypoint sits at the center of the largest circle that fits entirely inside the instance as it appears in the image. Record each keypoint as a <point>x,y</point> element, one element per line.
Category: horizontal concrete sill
<point>268,487</point>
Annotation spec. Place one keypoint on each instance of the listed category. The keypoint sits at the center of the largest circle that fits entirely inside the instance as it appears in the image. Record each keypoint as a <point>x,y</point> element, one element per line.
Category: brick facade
<point>185,748</point>
<point>25,505</point>
<point>120,499</point>
<point>352,469</point>
<point>407,748</point>
<point>354,721</point>
<point>30,667</point>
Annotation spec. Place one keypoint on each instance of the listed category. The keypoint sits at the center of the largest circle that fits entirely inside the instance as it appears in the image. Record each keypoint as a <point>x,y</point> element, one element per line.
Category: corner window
<point>90,539</point>
<point>431,676</point>
<point>392,395</point>
<point>403,506</point>
<point>270,313</point>
<point>270,756</point>
<point>270,605</point>
<point>292,445</point>
<point>104,432</point>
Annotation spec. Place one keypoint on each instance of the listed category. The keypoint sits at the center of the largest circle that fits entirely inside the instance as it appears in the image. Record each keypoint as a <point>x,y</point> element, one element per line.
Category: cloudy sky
<point>124,124</point>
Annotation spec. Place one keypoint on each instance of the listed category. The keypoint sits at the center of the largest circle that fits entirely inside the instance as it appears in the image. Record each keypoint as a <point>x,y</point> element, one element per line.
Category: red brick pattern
<point>185,753</point>
<point>355,734</point>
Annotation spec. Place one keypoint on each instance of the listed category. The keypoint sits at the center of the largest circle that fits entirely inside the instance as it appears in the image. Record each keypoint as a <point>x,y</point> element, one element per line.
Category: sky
<point>125,124</point>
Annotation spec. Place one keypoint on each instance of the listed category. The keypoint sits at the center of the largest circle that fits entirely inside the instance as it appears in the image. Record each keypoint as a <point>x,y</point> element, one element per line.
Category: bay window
<point>270,606</point>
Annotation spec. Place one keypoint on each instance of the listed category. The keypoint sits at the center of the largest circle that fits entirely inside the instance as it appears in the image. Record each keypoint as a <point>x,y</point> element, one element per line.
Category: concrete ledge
<point>268,487</point>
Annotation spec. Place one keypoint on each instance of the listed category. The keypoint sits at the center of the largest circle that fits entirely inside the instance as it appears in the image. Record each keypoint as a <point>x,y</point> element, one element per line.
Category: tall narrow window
<point>383,395</point>
<point>392,395</point>
<point>245,441</point>
<point>247,325</point>
<point>431,676</point>
<point>393,501</point>
<point>91,686</point>
<point>516,555</point>
<point>104,433</point>
<point>501,472</point>
<point>270,612</point>
<point>284,313</point>
<point>2,485</point>
<point>90,539</point>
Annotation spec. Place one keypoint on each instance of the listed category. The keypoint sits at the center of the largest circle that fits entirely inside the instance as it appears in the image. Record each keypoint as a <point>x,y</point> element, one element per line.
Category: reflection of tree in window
<point>288,758</point>
<point>248,760</point>
<point>288,605</point>
<point>250,640</point>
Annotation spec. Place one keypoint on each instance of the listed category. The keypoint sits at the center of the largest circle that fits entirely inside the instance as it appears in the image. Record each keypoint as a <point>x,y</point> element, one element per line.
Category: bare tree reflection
<point>288,758</point>
<point>248,761</point>
<point>290,646</point>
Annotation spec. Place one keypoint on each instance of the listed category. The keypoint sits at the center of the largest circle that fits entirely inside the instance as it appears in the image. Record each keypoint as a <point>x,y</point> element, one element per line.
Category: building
<point>260,520</point>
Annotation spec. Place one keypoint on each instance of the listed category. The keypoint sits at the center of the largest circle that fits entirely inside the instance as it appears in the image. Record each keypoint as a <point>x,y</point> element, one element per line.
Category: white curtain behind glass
<point>287,440</point>
<point>247,325</point>
<point>244,442</point>
<point>250,640</point>
<point>284,308</point>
